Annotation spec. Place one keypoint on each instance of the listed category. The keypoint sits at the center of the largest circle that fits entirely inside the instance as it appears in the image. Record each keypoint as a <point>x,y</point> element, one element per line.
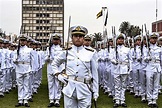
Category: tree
<point>124,27</point>
<point>96,37</point>
<point>129,30</point>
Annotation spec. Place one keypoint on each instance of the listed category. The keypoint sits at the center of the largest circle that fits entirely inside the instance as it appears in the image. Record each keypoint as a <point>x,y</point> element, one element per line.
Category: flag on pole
<point>99,14</point>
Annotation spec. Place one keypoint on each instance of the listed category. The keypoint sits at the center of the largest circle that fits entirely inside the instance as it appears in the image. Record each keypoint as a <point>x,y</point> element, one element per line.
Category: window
<point>25,2</point>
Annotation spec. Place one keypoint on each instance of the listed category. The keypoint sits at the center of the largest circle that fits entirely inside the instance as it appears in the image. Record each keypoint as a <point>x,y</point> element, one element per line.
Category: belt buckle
<point>79,79</point>
<point>87,81</point>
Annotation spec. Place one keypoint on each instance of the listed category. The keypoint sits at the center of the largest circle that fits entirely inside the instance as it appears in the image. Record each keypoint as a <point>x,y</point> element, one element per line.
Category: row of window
<point>42,15</point>
<point>42,8</point>
<point>42,34</point>
<point>43,22</point>
<point>42,28</point>
<point>57,2</point>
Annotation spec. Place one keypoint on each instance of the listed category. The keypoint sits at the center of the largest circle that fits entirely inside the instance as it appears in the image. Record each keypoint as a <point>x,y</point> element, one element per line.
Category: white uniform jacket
<point>81,62</point>
<point>35,64</point>
<point>25,60</point>
<point>136,55</point>
<point>55,51</point>
<point>124,60</point>
<point>155,58</point>
<point>3,58</point>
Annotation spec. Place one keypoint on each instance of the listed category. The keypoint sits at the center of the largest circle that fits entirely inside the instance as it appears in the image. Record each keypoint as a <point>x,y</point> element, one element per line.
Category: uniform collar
<point>120,46</point>
<point>153,45</point>
<point>24,46</point>
<point>75,48</point>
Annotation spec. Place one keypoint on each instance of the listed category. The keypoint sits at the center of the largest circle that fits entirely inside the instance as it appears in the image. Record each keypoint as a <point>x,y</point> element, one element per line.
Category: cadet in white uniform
<point>23,61</point>
<point>121,58</point>
<point>109,67</point>
<point>160,45</point>
<point>53,84</point>
<point>80,72</point>
<point>88,41</point>
<point>2,74</point>
<point>143,71</point>
<point>136,66</point>
<point>153,69</point>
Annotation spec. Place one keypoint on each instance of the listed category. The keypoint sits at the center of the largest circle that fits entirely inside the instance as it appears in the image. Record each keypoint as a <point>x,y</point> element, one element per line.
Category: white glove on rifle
<point>115,62</point>
<point>62,78</point>
<point>95,96</point>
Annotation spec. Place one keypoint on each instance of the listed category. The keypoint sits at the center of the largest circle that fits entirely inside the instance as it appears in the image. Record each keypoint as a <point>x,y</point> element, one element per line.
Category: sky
<point>83,12</point>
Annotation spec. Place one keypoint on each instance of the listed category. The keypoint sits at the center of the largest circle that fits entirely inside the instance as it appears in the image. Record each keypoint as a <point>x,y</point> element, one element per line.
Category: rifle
<point>67,42</point>
<point>147,41</point>
<point>141,47</point>
<point>114,35</point>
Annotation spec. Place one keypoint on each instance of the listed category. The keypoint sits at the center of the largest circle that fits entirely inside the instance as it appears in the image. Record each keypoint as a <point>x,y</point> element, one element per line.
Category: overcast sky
<point>83,12</point>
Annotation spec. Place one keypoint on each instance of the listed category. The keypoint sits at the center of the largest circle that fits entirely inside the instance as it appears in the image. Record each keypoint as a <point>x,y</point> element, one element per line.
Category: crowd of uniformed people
<point>119,64</point>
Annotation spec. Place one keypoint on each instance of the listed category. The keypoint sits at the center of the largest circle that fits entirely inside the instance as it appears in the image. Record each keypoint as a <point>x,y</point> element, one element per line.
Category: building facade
<point>40,18</point>
<point>157,24</point>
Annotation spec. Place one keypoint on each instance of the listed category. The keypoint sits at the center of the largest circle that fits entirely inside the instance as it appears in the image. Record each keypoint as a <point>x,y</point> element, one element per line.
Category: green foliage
<point>129,30</point>
<point>41,99</point>
<point>97,37</point>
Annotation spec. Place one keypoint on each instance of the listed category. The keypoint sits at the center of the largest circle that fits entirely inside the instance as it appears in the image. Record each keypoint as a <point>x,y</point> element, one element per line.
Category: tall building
<point>40,18</point>
<point>157,26</point>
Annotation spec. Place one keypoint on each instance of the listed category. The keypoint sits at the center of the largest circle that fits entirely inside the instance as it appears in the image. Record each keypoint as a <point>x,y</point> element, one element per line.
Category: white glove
<point>114,62</point>
<point>62,79</point>
<point>95,96</point>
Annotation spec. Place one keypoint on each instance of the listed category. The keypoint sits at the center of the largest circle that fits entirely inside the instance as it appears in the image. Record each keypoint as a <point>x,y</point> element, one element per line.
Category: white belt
<point>20,62</point>
<point>80,79</point>
<point>123,63</point>
<point>155,61</point>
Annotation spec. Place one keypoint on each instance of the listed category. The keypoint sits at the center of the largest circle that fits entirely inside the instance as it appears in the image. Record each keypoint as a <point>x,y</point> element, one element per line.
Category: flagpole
<point>156,15</point>
<point>104,37</point>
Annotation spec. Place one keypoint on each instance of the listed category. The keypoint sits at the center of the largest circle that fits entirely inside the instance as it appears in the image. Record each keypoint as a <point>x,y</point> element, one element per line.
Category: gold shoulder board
<point>89,49</point>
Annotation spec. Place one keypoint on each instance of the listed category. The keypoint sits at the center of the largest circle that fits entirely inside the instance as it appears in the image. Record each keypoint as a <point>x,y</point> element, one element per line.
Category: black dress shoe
<point>110,96</point>
<point>116,105</point>
<point>155,105</point>
<point>57,105</point>
<point>144,101</point>
<point>123,105</point>
<point>19,104</point>
<point>1,96</point>
<point>26,105</point>
<point>150,105</point>
<point>51,105</point>
<point>30,100</point>
<point>35,93</point>
<point>136,96</point>
<point>7,92</point>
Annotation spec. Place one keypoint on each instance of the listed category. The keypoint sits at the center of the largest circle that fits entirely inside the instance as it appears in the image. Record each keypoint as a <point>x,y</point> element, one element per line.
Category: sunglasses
<point>23,40</point>
<point>87,40</point>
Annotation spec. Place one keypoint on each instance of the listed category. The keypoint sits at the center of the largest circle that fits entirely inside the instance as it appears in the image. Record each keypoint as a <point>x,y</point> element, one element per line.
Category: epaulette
<point>89,49</point>
<point>67,48</point>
